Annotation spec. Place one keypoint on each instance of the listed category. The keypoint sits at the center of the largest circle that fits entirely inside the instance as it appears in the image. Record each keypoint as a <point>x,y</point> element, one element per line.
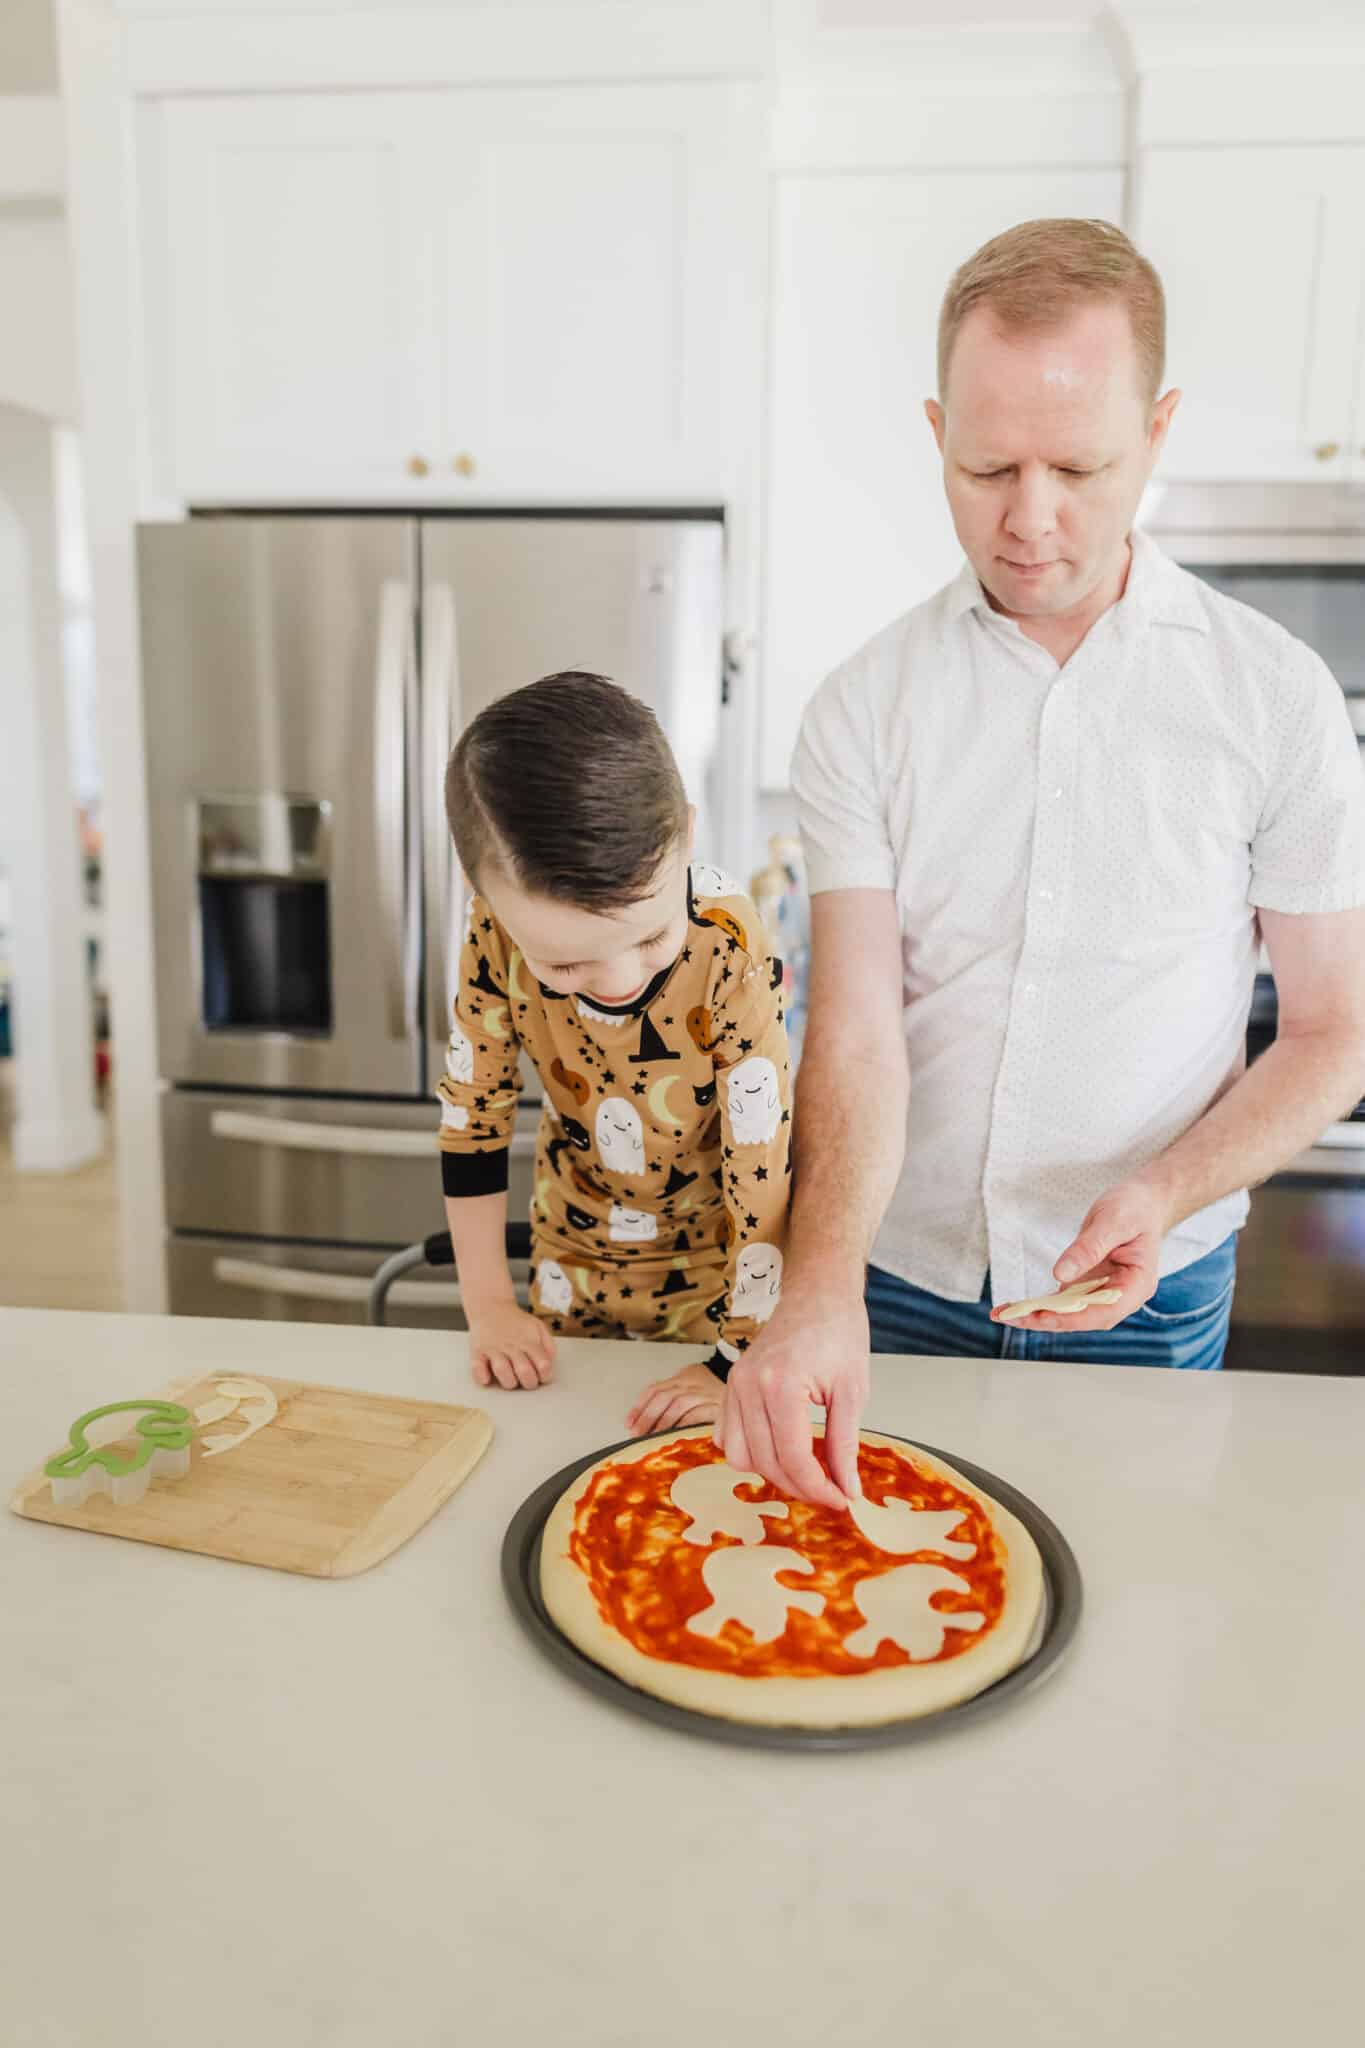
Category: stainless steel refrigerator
<point>305,676</point>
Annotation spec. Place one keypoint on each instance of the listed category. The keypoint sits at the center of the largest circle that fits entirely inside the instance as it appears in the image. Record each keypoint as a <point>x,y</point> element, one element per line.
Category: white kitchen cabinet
<point>468,293</point>
<point>299,261</point>
<point>857,527</point>
<point>1262,254</point>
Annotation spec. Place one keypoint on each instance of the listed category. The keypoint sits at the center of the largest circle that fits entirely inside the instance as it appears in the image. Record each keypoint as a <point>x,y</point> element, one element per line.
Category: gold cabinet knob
<point>1327,451</point>
<point>464,465</point>
<point>418,466</point>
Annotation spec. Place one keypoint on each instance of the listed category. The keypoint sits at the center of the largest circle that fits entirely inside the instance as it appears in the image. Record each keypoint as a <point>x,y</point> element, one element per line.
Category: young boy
<point>646,997</point>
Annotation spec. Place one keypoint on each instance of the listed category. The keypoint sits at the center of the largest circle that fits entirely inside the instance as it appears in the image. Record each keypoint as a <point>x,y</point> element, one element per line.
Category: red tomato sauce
<point>647,1582</point>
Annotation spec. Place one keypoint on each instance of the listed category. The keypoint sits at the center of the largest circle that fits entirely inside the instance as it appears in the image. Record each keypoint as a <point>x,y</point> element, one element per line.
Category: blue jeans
<point>1185,1324</point>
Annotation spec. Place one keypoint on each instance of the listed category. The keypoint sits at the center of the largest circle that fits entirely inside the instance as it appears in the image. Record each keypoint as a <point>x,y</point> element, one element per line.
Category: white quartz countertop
<point>245,1807</point>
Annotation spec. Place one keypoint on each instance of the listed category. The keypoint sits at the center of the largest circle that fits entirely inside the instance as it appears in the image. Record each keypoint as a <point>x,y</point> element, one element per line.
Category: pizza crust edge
<point>900,1693</point>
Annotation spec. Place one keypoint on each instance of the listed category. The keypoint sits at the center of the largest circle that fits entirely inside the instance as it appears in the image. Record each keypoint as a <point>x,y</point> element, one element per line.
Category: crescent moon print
<point>514,987</point>
<point>658,1100</point>
<point>494,1020</point>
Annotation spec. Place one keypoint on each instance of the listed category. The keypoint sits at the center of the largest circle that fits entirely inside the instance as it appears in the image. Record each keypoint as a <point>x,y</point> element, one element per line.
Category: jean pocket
<point>1190,1297</point>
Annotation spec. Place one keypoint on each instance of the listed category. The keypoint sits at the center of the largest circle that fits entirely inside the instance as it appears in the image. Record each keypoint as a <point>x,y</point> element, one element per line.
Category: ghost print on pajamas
<point>758,1282</point>
<point>632,1226</point>
<point>460,1055</point>
<point>554,1288</point>
<point>620,1137</point>
<point>755,1101</point>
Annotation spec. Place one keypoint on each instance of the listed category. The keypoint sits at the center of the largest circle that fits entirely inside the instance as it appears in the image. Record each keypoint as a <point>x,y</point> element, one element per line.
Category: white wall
<point>56,1123</point>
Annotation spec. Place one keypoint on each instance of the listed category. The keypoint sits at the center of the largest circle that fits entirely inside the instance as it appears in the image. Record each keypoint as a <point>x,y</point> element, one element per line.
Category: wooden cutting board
<point>334,1482</point>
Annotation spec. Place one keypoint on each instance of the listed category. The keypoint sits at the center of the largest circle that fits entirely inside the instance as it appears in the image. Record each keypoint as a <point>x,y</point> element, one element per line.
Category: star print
<point>725,974</point>
<point>668,1020</point>
<point>786,1116</point>
<point>751,1223</point>
<point>726,1152</point>
<point>599,1297</point>
<point>487,925</point>
<point>480,1102</point>
<point>626,1293</point>
<point>760,1173</point>
<point>746,1045</point>
<point>608,1076</point>
<point>638,1089</point>
<point>687,952</point>
<point>733,944</point>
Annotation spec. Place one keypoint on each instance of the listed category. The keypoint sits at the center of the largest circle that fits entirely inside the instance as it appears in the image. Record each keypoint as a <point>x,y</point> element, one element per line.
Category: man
<point>1047,817</point>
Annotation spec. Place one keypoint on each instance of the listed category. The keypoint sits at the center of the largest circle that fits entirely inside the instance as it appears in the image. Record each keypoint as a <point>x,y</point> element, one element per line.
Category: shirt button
<point>1030,988</point>
<point>1058,791</point>
<point>1045,895</point>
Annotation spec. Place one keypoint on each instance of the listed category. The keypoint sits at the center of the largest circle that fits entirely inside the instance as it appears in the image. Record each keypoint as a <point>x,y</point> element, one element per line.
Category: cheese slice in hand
<point>1068,1302</point>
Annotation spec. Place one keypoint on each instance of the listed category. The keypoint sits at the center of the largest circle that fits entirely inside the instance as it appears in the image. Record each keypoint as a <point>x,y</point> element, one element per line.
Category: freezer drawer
<point>300,1283</point>
<point>340,1172</point>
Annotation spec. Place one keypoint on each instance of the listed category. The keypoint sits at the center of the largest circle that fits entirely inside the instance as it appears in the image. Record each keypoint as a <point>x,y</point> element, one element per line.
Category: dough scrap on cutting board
<point>1068,1301</point>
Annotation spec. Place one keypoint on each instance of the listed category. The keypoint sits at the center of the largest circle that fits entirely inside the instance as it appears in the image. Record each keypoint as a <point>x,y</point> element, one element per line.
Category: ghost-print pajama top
<point>663,1157</point>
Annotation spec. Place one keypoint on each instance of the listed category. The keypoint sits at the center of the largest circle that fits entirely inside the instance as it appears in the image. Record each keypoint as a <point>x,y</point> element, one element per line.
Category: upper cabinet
<point>1262,254</point>
<point>487,293</point>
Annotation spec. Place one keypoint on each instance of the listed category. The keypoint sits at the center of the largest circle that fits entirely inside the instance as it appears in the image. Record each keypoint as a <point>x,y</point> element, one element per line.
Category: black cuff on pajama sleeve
<point>474,1173</point>
<point>719,1364</point>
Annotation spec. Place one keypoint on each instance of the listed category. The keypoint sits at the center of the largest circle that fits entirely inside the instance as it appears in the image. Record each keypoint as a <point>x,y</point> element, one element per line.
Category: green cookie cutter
<point>165,1426</point>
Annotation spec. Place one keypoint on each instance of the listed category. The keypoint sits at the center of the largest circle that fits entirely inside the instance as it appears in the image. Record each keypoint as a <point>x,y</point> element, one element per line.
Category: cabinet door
<point>594,243</point>
<point>857,528</point>
<point>300,285</point>
<point>1259,252</point>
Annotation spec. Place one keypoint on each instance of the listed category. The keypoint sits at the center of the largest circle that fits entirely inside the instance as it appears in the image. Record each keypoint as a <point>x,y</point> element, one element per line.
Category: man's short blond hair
<point>1033,276</point>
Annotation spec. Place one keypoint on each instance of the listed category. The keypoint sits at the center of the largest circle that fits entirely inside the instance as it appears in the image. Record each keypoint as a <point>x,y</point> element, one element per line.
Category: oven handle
<point>391,690</point>
<point>441,715</point>
<point>294,1135</point>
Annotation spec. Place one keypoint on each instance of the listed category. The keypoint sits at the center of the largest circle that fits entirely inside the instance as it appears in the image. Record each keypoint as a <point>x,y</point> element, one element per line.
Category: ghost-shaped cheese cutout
<point>632,1226</point>
<point>896,1609</point>
<point>742,1582</point>
<point>712,881</point>
<point>758,1282</point>
<point>459,1055</point>
<point>895,1526</point>
<point>620,1136</point>
<point>755,1101</point>
<point>454,1116</point>
<point>553,1287</point>
<point>706,1494</point>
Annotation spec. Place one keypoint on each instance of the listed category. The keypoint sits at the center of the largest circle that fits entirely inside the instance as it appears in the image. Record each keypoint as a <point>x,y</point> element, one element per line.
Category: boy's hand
<point>509,1347</point>
<point>693,1394</point>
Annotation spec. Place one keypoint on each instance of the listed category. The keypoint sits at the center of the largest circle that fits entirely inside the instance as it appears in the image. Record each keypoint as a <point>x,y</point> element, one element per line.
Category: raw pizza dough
<point>747,1593</point>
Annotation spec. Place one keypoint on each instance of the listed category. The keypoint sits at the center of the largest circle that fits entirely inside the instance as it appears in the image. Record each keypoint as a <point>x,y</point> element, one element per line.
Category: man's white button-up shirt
<point>1077,855</point>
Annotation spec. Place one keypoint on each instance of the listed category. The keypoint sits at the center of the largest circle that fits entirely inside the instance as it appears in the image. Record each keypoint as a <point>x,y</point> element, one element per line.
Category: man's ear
<point>1163,412</point>
<point>938,420</point>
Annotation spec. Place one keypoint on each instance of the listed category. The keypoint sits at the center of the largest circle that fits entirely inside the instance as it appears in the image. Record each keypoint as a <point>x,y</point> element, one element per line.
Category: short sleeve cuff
<point>1306,899</point>
<point>474,1173</point>
<point>826,871</point>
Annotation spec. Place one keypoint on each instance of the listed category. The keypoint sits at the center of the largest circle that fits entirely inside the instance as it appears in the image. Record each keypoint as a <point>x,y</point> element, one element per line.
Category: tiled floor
<point>58,1231</point>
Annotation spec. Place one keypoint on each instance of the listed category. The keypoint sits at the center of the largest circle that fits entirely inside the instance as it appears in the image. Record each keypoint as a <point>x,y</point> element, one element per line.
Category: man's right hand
<point>814,1349</point>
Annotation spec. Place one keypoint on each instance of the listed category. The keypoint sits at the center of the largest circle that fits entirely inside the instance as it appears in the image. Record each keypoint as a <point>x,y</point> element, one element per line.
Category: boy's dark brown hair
<point>570,787</point>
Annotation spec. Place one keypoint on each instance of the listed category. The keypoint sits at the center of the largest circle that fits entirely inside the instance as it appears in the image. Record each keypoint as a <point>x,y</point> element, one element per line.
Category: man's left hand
<point>1120,1243</point>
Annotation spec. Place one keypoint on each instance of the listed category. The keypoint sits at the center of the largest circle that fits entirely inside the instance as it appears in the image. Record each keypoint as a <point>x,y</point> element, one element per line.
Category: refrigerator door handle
<point>295,1135</point>
<point>393,656</point>
<point>441,716</point>
<point>305,1285</point>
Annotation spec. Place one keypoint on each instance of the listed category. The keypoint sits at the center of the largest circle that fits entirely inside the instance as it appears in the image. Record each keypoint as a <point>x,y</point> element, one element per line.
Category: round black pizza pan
<point>1060,1618</point>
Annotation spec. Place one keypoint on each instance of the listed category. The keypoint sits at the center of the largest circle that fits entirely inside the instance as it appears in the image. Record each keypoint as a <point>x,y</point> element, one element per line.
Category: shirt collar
<point>1158,592</point>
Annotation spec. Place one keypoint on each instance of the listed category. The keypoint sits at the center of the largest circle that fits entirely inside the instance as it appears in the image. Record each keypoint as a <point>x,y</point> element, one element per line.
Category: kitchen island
<point>243,1806</point>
